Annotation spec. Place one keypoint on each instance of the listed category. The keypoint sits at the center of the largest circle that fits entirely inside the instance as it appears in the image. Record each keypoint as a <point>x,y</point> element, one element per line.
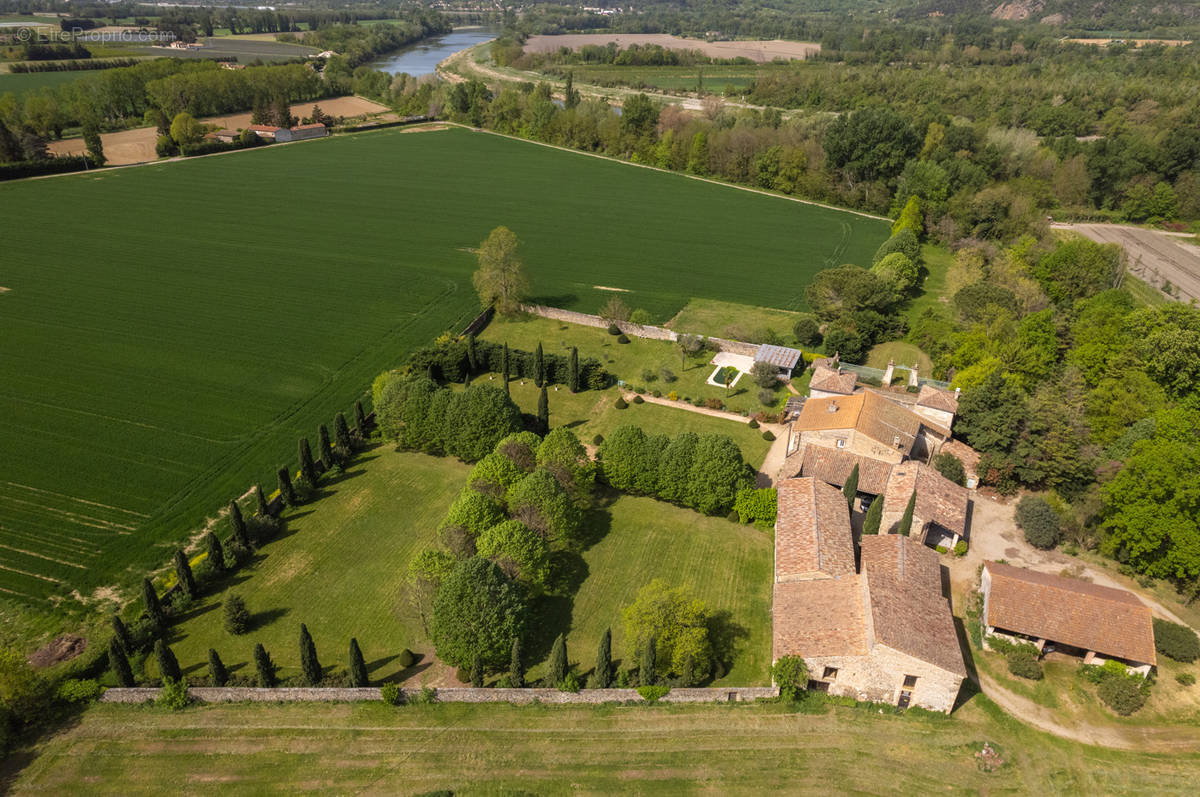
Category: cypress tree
<point>183,573</point>
<point>573,374</point>
<point>874,515</point>
<point>558,661</point>
<point>308,470</point>
<point>119,661</point>
<point>154,609</point>
<point>121,633</point>
<point>308,657</point>
<point>264,666</point>
<point>238,524</point>
<point>646,674</point>
<point>325,446</point>
<point>360,420</point>
<point>907,518</point>
<point>543,415</point>
<point>358,667</point>
<point>341,435</point>
<point>466,378</point>
<point>602,675</point>
<point>472,357</point>
<point>516,668</point>
<point>264,509</point>
<point>850,488</point>
<point>539,367</point>
<point>216,552</point>
<point>504,367</point>
<point>216,669</point>
<point>168,665</point>
<point>477,673</point>
<point>287,493</point>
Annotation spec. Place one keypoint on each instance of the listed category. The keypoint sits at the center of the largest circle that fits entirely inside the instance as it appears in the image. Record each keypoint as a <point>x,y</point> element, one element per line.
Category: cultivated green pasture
<point>673,78</point>
<point>170,330</point>
<point>21,83</point>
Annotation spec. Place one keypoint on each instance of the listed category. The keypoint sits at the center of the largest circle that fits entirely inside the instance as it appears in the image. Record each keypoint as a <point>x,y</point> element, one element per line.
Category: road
<point>1154,256</point>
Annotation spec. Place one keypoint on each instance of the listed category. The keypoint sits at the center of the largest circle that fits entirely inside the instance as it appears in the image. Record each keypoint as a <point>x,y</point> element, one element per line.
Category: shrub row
<point>452,361</point>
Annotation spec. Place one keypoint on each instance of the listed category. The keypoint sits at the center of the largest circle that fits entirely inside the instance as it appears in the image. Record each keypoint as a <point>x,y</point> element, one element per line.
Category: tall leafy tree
<point>477,611</point>
<point>216,669</point>
<point>850,488</point>
<point>501,280</point>
<point>238,524</point>
<point>906,520</point>
<point>168,665</point>
<point>557,668</point>
<point>308,468</point>
<point>183,573</point>
<point>154,609</point>
<point>602,673</point>
<point>516,667</point>
<point>308,658</point>
<point>119,661</point>
<point>264,667</point>
<point>677,622</point>
<point>358,667</point>
<point>287,492</point>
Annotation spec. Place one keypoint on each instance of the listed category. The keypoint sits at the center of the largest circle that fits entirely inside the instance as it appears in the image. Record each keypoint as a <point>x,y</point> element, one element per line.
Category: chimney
<point>831,407</point>
<point>957,390</point>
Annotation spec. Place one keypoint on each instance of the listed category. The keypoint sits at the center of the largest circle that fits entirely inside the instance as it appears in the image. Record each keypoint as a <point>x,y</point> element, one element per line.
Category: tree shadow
<point>194,668</point>
<point>375,665</point>
<point>196,611</point>
<point>296,515</point>
<point>260,620</point>
<point>726,638</point>
<point>573,424</point>
<point>401,676</point>
<point>346,475</point>
<point>551,615</point>
<point>562,300</point>
<point>597,523</point>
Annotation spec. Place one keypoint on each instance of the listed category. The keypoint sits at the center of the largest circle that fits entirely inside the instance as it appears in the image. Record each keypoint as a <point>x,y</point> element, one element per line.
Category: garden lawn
<point>904,354</point>
<point>638,363</point>
<point>710,317</point>
<point>339,568</point>
<point>161,355</point>
<point>490,749</point>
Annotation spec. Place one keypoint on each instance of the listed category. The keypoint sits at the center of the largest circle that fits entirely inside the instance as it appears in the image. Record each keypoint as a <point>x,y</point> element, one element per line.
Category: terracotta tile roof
<point>908,612</point>
<point>868,413</point>
<point>1111,622</point>
<point>833,380</point>
<point>968,456</point>
<point>939,500</point>
<point>834,465</point>
<point>830,413</point>
<point>819,618</point>
<point>812,532</point>
<point>930,396</point>
<point>265,128</point>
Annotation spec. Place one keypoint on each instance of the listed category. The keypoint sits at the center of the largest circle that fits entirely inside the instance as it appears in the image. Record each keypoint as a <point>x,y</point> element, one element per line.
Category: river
<point>422,59</point>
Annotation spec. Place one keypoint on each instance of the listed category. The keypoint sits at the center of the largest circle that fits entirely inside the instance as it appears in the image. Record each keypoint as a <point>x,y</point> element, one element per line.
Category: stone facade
<point>880,677</point>
<point>851,440</point>
<point>233,694</point>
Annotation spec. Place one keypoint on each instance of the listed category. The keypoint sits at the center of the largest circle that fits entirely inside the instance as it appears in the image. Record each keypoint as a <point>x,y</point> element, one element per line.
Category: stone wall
<point>637,330</point>
<point>232,694</point>
<point>879,678</point>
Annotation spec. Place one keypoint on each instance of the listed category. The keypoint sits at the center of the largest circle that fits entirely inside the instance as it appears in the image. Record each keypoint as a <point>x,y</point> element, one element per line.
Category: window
<point>841,443</point>
<point>830,674</point>
<point>910,681</point>
<point>818,686</point>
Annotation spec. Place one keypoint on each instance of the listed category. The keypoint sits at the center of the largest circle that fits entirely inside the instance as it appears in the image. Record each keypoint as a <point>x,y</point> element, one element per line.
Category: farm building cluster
<point>275,133</point>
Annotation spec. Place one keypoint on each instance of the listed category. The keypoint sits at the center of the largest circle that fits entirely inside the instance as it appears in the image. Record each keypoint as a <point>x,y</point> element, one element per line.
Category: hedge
<point>449,363</point>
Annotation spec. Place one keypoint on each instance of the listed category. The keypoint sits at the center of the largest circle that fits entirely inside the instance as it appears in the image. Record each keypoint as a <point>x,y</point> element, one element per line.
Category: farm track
<point>1153,256</point>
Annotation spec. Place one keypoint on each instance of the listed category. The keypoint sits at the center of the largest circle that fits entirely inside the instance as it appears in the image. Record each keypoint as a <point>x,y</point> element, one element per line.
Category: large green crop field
<point>169,331</point>
<point>21,83</point>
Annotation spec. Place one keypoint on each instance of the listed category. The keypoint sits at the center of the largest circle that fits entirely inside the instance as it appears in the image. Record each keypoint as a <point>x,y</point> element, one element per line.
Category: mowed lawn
<point>500,749</point>
<point>170,330</point>
<point>341,566</point>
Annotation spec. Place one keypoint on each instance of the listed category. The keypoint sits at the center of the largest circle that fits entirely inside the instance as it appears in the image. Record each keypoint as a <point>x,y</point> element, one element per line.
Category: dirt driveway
<point>137,146</point>
<point>1155,257</point>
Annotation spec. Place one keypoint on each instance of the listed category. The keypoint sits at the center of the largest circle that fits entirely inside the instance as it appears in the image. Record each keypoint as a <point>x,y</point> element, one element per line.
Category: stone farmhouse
<point>867,424</point>
<point>829,381</point>
<point>939,510</point>
<point>872,626</point>
<point>1066,615</point>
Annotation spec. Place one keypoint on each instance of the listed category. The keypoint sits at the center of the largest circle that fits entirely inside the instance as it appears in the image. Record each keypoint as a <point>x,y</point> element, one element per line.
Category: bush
<point>768,435</point>
<point>1185,678</point>
<point>673,396</point>
<point>1176,641</point>
<point>613,329</point>
<point>620,404</point>
<point>638,400</point>
<point>656,393</point>
<point>74,690</point>
<point>569,683</point>
<point>653,692</point>
<point>791,674</point>
<point>407,659</point>
<point>941,549</point>
<point>960,548</point>
<point>714,404</point>
<point>667,375</point>
<point>174,694</point>
<point>237,617</point>
<point>649,375</point>
<point>391,694</point>
<point>1124,694</point>
<point>1039,521</point>
<point>766,397</point>
<point>622,338</point>
<point>1023,662</point>
<point>598,439</point>
<point>753,424</point>
<point>951,467</point>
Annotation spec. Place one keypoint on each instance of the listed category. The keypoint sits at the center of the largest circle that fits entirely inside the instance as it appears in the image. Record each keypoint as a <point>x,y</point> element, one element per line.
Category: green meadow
<point>170,330</point>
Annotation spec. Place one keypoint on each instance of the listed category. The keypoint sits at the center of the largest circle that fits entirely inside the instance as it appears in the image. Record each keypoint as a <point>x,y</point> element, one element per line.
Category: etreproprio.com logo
<point>31,36</point>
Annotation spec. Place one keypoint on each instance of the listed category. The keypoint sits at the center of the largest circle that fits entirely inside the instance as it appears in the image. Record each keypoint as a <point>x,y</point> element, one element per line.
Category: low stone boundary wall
<point>637,330</point>
<point>238,694</point>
